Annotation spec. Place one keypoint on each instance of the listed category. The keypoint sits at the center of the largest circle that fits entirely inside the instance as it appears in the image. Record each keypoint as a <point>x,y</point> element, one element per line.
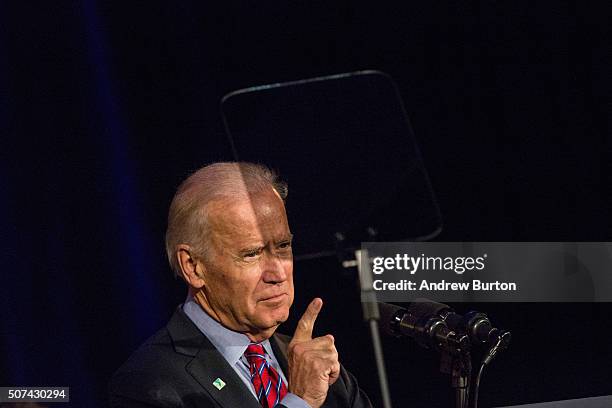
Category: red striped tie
<point>269,386</point>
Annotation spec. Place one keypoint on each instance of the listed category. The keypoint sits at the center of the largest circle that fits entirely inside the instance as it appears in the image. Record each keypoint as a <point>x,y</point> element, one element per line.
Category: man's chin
<point>279,317</point>
<point>265,330</point>
<point>274,319</point>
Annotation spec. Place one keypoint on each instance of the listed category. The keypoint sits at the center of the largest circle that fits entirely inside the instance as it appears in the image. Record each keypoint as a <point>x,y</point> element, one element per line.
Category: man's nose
<point>275,268</point>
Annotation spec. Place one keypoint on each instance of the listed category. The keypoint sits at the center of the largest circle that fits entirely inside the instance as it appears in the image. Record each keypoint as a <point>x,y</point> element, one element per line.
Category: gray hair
<point>188,215</point>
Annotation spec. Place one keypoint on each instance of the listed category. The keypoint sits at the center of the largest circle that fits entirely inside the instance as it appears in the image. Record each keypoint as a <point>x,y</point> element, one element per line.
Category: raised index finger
<point>303,331</point>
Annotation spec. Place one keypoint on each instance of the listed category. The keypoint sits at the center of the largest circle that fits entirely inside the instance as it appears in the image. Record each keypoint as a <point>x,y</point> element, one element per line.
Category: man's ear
<point>192,270</point>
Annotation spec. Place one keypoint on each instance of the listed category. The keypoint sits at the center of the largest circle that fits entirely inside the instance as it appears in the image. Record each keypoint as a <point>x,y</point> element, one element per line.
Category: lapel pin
<point>219,384</point>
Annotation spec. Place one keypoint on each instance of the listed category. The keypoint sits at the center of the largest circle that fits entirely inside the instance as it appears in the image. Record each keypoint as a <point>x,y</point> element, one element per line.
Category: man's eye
<point>252,254</point>
<point>285,245</point>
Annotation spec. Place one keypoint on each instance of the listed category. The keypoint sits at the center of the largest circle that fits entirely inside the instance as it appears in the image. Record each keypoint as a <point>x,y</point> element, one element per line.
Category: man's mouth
<point>275,298</point>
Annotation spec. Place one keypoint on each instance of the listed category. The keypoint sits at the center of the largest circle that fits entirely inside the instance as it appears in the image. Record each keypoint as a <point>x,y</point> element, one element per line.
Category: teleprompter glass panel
<point>345,146</point>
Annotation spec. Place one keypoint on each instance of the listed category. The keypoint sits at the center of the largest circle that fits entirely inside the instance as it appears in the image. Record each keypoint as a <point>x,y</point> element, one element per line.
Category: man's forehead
<point>241,212</point>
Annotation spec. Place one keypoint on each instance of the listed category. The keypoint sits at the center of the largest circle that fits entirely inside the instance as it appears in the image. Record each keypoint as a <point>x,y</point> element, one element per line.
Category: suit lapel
<point>207,367</point>
<point>208,364</point>
<point>279,347</point>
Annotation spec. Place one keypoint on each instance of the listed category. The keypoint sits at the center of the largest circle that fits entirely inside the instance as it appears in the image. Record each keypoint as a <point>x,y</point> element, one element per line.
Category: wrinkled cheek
<point>291,289</point>
<point>232,284</point>
<point>291,294</point>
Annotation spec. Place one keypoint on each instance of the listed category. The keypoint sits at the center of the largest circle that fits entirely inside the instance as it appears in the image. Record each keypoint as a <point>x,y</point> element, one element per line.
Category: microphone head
<point>389,317</point>
<point>425,308</point>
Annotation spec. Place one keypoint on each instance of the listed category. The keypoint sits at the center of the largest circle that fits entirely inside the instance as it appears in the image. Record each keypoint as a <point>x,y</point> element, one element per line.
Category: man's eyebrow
<point>259,245</point>
<point>287,237</point>
<point>250,248</point>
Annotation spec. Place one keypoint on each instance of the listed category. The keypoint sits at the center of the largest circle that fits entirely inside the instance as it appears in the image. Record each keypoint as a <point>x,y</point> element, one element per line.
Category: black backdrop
<point>105,107</point>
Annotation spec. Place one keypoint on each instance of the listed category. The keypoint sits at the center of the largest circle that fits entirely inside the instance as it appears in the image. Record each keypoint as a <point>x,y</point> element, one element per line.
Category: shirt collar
<point>229,343</point>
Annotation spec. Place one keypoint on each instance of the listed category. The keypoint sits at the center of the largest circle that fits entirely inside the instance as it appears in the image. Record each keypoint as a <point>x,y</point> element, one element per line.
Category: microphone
<point>423,322</point>
<point>478,327</point>
<point>434,324</point>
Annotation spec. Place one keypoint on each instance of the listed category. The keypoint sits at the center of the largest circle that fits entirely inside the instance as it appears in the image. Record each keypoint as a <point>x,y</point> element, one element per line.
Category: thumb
<point>303,331</point>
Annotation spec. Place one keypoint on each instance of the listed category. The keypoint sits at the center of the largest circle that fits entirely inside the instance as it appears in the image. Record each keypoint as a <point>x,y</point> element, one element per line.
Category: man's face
<point>248,274</point>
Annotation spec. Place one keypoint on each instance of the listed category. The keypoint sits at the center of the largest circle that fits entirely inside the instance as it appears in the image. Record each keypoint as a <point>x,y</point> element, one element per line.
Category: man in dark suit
<point>229,239</point>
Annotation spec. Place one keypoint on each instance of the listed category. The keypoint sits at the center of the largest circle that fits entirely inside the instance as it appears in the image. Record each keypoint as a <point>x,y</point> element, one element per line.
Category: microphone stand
<point>458,364</point>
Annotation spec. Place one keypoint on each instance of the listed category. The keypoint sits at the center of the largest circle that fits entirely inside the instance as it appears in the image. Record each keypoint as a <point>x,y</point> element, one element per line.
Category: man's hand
<point>313,363</point>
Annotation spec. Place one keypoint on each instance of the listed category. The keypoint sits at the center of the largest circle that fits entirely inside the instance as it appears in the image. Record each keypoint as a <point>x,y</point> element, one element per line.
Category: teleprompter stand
<point>371,316</point>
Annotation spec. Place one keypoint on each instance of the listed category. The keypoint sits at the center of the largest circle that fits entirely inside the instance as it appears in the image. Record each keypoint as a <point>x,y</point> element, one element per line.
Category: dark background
<point>106,107</point>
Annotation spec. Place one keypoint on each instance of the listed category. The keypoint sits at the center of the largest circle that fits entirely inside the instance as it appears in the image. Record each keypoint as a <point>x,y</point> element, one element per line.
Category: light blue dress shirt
<point>232,346</point>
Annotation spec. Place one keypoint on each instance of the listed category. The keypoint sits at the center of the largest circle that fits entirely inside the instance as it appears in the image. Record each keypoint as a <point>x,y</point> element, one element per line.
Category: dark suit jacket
<point>177,366</point>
